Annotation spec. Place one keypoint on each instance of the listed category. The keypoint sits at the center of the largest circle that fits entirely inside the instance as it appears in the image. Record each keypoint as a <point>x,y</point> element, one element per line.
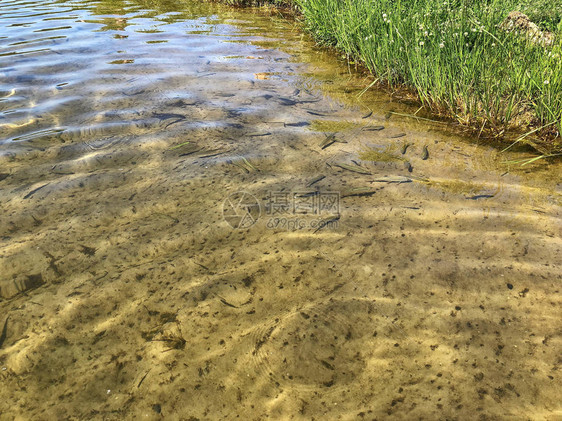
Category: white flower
<point>421,42</point>
<point>546,82</point>
<point>384,16</point>
<point>442,45</point>
<point>465,34</point>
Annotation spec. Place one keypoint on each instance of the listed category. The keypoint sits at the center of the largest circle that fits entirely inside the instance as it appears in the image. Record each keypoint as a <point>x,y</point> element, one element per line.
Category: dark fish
<point>315,180</point>
<point>32,192</point>
<point>373,128</point>
<point>4,332</point>
<point>408,166</point>
<point>425,153</point>
<point>388,115</point>
<point>226,303</point>
<point>181,103</point>
<point>360,191</point>
<point>396,136</point>
<point>327,365</point>
<point>296,92</point>
<point>405,147</point>
<point>353,168</point>
<point>259,134</point>
<point>287,102</point>
<point>133,93</point>
<point>4,176</point>
<point>481,196</point>
<point>299,124</point>
<point>212,152</point>
<point>369,114</point>
<point>316,113</point>
<point>168,116</point>
<point>308,194</point>
<point>88,251</point>
<point>326,222</point>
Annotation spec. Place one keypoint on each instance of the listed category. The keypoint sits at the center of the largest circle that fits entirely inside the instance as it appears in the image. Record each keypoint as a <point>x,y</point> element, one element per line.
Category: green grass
<point>454,57</point>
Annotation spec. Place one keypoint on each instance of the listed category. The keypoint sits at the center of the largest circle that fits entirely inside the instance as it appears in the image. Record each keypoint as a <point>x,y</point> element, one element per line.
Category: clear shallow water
<point>166,252</point>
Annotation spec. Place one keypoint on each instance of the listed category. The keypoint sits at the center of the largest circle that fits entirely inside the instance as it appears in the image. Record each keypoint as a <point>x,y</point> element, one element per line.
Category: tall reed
<point>454,55</point>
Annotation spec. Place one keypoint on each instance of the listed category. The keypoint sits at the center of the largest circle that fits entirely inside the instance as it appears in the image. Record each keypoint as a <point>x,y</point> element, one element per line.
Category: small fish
<point>4,176</point>
<point>312,101</point>
<point>4,332</point>
<point>249,164</point>
<point>408,166</point>
<point>388,115</point>
<point>32,192</point>
<point>405,147</point>
<point>369,114</point>
<point>180,145</point>
<point>308,194</point>
<point>396,136</point>
<point>316,113</point>
<point>167,116</point>
<point>88,251</point>
<point>258,134</point>
<point>226,303</point>
<point>373,128</point>
<point>481,196</point>
<point>130,93</point>
<point>360,191</point>
<point>211,152</point>
<point>330,140</point>
<point>393,179</point>
<point>239,165</point>
<point>191,150</point>
<point>326,222</point>
<point>315,180</point>
<point>299,124</point>
<point>287,102</point>
<point>425,153</point>
<point>327,365</point>
<point>296,92</point>
<point>353,168</point>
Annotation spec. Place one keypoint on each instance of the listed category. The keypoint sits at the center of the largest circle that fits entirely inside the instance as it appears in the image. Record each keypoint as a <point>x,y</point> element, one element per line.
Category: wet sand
<point>143,276</point>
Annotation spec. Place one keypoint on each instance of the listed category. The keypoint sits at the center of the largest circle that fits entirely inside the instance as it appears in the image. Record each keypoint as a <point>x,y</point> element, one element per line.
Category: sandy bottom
<point>145,277</point>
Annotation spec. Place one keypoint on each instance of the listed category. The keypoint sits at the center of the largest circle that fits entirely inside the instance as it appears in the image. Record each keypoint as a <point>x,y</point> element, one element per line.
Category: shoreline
<point>511,120</point>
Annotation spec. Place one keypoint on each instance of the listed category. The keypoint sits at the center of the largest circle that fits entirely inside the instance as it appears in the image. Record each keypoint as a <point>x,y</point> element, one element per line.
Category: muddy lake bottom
<point>200,219</point>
